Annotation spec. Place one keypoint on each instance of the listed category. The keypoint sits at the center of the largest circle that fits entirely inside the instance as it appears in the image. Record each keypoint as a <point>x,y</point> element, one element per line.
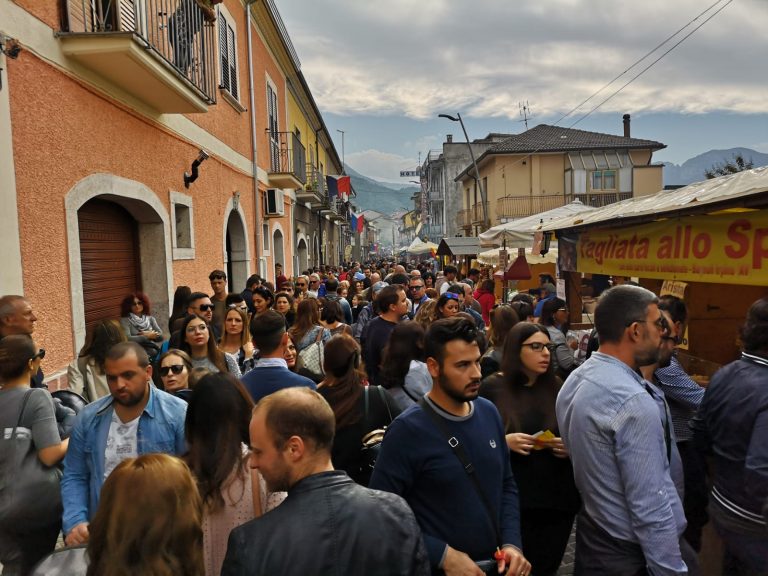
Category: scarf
<point>141,323</point>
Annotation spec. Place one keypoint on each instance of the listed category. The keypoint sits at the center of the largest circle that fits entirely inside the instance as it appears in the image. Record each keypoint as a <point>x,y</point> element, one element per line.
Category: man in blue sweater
<point>271,373</point>
<point>417,462</point>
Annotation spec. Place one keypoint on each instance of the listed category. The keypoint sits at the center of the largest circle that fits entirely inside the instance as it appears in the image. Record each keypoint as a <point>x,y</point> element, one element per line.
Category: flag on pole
<point>352,221</point>
<point>360,223</point>
<point>333,188</point>
<point>344,184</point>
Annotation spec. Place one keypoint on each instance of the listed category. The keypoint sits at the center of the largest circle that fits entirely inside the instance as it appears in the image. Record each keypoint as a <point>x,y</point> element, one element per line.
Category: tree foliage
<point>737,164</point>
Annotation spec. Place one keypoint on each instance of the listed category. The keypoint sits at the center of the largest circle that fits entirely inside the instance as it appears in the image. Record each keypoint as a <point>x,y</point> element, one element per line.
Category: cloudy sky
<point>382,71</point>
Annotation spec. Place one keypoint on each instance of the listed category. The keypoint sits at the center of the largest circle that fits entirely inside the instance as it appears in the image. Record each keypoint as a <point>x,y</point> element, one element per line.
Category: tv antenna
<point>525,112</point>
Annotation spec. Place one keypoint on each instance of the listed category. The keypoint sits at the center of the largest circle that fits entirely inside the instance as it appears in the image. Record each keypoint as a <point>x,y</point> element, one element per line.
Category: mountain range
<point>693,170</point>
<point>382,197</point>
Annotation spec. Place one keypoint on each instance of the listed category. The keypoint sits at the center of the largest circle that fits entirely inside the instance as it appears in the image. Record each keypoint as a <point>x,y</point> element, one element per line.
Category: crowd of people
<point>380,419</point>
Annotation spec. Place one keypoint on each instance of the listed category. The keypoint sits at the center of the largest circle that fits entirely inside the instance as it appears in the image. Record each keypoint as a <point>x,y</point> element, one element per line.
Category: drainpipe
<point>258,242</point>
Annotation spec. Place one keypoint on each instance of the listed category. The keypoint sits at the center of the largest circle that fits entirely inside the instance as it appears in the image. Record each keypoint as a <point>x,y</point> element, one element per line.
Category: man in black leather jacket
<point>328,525</point>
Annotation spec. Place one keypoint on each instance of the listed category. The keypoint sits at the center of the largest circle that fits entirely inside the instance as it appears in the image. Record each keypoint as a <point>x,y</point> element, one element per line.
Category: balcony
<point>334,209</point>
<point>314,190</point>
<point>287,159</point>
<point>302,214</point>
<point>511,207</point>
<point>464,218</point>
<point>162,52</point>
<point>478,217</point>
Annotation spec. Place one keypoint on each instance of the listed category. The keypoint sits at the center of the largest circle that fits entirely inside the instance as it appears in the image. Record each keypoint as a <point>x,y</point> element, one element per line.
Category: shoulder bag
<point>372,439</point>
<point>29,490</point>
<point>309,361</point>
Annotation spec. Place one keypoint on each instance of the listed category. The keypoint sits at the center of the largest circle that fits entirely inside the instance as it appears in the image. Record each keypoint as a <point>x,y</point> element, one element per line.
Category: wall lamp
<point>189,178</point>
<point>9,46</point>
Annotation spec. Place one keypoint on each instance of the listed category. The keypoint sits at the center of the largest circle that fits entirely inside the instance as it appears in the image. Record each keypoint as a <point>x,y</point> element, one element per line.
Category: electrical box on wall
<point>274,205</point>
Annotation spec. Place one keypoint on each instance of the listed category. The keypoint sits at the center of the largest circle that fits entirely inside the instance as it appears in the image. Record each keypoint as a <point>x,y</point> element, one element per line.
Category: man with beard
<point>136,418</point>
<point>467,512</point>
<point>327,524</point>
<point>632,518</point>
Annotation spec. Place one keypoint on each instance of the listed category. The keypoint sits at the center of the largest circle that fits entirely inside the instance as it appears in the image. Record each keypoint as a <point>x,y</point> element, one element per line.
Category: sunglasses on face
<point>300,284</point>
<point>205,307</point>
<point>539,346</point>
<point>40,354</point>
<point>416,287</point>
<point>175,368</point>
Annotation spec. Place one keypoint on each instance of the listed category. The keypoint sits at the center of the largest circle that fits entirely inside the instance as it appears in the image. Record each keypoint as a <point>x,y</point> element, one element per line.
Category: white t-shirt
<point>121,443</point>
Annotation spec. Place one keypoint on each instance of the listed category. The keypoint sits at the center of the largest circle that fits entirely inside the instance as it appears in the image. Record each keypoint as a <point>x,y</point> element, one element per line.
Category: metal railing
<point>176,31</point>
<point>287,155</point>
<point>315,180</point>
<point>477,212</point>
<point>522,206</point>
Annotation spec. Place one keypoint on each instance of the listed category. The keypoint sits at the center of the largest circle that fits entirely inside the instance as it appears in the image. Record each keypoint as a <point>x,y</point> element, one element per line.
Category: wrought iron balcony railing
<point>287,157</point>
<point>478,216</point>
<point>179,33</point>
<point>464,218</point>
<point>522,206</point>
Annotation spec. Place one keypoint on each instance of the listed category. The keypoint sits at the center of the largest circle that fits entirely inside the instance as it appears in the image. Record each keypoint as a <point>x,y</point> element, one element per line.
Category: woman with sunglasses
<point>447,305</point>
<point>139,326</point>
<point>197,341</point>
<point>174,367</point>
<point>236,339</point>
<point>554,316</point>
<point>27,531</point>
<point>525,392</point>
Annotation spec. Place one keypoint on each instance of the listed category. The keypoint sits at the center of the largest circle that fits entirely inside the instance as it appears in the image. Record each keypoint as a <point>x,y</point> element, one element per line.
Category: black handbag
<point>30,494</point>
<point>371,441</point>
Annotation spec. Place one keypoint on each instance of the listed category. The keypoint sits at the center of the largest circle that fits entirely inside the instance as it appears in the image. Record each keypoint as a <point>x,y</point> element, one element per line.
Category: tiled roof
<point>546,138</point>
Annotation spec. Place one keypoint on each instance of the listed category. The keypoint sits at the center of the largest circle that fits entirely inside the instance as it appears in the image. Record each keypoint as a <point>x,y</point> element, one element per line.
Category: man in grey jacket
<point>327,524</point>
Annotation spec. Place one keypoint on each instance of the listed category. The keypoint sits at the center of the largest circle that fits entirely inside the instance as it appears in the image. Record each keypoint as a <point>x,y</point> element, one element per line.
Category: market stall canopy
<point>518,233</point>
<point>491,257</point>
<point>459,246</point>
<point>420,247</point>
<point>749,187</point>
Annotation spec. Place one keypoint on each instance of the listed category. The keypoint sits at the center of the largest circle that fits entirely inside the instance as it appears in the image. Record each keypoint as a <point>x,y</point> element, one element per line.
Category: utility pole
<point>343,161</point>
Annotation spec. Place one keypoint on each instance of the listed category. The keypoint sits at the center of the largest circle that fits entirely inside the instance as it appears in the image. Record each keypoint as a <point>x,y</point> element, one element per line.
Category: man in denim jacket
<point>136,418</point>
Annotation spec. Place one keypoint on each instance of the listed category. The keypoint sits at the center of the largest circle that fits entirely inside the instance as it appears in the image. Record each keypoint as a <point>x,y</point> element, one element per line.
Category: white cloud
<point>485,56</point>
<point>382,166</point>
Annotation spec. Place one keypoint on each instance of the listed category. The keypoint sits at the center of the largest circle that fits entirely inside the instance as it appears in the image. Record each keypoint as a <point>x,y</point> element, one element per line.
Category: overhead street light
<point>458,119</point>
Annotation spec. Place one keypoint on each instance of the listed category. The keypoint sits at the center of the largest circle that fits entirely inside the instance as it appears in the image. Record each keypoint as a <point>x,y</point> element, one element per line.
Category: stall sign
<point>724,248</point>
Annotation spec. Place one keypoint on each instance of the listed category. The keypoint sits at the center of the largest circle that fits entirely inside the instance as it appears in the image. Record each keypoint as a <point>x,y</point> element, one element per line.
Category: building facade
<point>144,144</point>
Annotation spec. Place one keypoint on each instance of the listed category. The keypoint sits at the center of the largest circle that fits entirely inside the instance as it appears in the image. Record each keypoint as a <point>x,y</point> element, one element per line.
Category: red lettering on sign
<point>740,240</point>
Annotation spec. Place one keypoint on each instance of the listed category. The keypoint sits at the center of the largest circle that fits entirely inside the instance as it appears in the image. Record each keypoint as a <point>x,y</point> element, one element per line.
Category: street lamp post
<point>343,160</point>
<point>458,119</point>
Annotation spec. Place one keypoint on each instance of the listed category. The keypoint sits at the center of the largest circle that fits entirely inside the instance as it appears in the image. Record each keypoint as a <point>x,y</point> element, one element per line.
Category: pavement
<point>566,566</point>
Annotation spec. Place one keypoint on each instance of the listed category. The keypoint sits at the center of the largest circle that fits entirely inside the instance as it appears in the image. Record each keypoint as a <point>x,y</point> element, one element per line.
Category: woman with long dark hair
<point>86,374</point>
<point>332,318</point>
<point>525,392</point>
<point>554,316</point>
<point>345,390</point>
<point>447,305</point>
<point>216,430</point>
<point>263,299</point>
<point>306,329</point>
<point>197,341</point>
<point>179,308</point>
<point>404,372</point>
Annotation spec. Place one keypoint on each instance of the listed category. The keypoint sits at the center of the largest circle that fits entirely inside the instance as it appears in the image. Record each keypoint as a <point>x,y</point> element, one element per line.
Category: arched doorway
<point>106,205</point>
<point>236,252</point>
<point>278,251</point>
<point>109,253</point>
<point>301,252</point>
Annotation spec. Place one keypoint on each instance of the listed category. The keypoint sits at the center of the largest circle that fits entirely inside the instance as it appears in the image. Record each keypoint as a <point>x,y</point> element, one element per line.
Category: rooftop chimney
<point>626,125</point>
<point>449,138</point>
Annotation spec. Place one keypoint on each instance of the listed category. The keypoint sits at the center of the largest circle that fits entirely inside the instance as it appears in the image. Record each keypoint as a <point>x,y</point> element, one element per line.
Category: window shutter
<point>224,52</point>
<point>232,62</point>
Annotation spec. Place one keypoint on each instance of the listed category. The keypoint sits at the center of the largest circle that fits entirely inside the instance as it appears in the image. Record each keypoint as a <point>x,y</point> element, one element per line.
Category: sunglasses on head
<point>175,368</point>
<point>451,295</point>
<point>242,306</point>
<point>205,307</point>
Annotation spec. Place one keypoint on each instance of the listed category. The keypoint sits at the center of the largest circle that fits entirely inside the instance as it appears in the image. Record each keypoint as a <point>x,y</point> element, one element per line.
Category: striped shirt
<point>613,429</point>
<point>683,396</point>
